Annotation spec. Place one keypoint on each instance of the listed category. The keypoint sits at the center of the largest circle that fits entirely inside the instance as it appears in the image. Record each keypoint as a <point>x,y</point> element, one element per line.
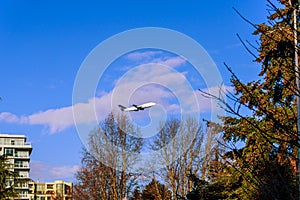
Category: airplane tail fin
<point>122,107</point>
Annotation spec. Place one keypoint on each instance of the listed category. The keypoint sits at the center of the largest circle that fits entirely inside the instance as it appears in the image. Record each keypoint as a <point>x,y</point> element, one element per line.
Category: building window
<point>50,186</point>
<point>59,189</point>
<point>23,174</point>
<point>19,142</point>
<point>5,141</point>
<point>18,163</point>
<point>9,152</point>
<point>21,154</point>
<point>40,187</point>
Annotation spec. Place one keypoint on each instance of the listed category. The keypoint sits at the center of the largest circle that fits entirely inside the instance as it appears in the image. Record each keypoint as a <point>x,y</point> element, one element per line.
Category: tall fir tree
<point>265,167</point>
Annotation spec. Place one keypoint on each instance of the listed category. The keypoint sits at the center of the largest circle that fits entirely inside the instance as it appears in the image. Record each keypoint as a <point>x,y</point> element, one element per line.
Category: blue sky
<point>43,45</point>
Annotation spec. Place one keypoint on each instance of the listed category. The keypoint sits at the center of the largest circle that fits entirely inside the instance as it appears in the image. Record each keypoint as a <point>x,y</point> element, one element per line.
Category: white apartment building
<point>18,153</point>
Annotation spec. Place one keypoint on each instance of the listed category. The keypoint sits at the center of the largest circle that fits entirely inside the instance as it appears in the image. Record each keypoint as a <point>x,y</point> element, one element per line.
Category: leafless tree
<point>107,171</point>
<point>183,153</point>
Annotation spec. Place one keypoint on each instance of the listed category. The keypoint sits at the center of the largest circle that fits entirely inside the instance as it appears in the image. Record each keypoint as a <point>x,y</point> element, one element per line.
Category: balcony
<point>22,156</point>
<point>21,166</point>
<point>23,175</point>
<point>23,196</point>
<point>22,186</point>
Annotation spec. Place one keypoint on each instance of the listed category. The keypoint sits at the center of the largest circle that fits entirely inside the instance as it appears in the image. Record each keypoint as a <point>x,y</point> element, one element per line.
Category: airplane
<point>135,107</point>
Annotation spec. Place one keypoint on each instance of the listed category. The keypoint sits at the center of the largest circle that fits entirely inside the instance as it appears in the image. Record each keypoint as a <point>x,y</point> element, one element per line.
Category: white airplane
<point>135,107</point>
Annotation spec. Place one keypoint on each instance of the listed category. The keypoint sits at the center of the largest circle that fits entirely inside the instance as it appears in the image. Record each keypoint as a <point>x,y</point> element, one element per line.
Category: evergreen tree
<point>266,166</point>
<point>204,190</point>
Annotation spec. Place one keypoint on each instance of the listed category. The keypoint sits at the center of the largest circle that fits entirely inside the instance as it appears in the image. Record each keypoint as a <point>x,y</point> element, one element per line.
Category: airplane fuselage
<point>135,107</point>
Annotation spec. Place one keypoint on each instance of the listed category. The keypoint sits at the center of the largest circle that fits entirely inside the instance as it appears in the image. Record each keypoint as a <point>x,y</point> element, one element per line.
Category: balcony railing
<point>21,166</point>
<point>23,195</point>
<point>16,143</point>
<point>21,156</point>
<point>22,186</point>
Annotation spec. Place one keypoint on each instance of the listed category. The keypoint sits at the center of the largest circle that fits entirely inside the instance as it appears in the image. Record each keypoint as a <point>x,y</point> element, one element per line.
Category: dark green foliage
<point>8,180</point>
<point>266,166</point>
<point>204,190</point>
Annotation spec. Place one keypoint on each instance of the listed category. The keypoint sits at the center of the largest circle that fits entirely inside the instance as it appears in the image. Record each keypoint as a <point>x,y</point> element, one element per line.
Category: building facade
<point>18,153</point>
<point>57,190</point>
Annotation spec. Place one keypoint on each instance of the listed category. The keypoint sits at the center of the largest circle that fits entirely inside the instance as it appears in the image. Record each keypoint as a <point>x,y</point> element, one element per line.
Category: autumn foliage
<point>265,166</point>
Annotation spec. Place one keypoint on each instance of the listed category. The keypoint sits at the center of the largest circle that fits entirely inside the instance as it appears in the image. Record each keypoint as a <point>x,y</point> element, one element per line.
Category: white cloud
<point>42,171</point>
<point>158,57</point>
<point>56,119</point>
<point>145,55</point>
<point>151,82</point>
<point>97,108</point>
<point>67,172</point>
<point>62,118</point>
<point>9,117</point>
<point>170,62</point>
